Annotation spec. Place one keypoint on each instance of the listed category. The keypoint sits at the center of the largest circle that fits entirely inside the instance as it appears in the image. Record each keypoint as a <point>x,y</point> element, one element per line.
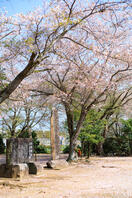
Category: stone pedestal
<point>19,159</point>
<point>19,153</point>
<point>14,171</point>
<point>19,150</point>
<point>34,168</point>
<point>57,164</point>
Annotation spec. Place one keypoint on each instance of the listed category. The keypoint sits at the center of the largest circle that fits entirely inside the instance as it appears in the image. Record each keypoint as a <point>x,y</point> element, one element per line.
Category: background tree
<point>20,119</point>
<point>127,130</point>
<point>112,107</point>
<point>118,142</point>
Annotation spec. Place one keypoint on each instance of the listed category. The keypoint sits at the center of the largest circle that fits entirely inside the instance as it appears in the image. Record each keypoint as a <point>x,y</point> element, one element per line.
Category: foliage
<point>46,134</point>
<point>43,149</point>
<point>35,141</point>
<point>66,149</point>
<point>43,134</point>
<point>116,146</point>
<point>127,126</point>
<point>91,131</point>
<point>2,146</point>
<point>120,143</point>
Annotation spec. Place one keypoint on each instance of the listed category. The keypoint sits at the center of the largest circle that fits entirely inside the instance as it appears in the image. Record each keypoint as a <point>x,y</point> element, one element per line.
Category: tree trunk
<point>100,144</point>
<point>72,153</point>
<point>12,133</point>
<point>100,150</point>
<point>73,133</point>
<point>89,148</point>
<point>6,92</point>
<point>82,146</point>
<point>130,147</point>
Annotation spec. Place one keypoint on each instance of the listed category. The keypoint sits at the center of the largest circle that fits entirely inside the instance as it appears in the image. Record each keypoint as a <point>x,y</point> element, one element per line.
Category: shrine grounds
<point>97,177</point>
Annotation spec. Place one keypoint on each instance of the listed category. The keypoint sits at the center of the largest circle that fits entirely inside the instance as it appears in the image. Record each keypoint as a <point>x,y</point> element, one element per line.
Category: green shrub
<point>66,149</point>
<point>116,146</point>
<point>43,149</point>
<point>35,141</point>
<point>62,147</point>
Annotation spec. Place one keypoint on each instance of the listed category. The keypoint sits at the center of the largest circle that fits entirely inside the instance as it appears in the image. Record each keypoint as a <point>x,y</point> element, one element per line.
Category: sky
<point>17,6</point>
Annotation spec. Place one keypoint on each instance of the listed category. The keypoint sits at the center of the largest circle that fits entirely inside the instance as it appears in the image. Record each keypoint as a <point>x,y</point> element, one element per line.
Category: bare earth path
<point>100,178</point>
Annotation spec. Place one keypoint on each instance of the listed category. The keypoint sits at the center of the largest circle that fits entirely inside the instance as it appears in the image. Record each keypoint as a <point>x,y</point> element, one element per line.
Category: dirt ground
<point>94,178</point>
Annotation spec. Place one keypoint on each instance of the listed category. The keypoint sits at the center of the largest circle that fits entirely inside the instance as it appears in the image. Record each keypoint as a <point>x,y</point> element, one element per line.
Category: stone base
<point>20,170</point>
<point>14,171</point>
<point>57,164</point>
<point>34,168</point>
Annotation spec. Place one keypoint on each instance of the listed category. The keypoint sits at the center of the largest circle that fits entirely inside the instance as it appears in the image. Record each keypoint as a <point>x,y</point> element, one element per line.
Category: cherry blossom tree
<point>96,60</point>
<point>33,37</point>
<point>81,48</point>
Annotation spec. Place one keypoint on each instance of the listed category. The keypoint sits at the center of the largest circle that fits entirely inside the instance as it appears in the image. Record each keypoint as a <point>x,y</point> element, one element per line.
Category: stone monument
<point>54,136</point>
<point>19,150</point>
<point>55,162</point>
<point>19,158</point>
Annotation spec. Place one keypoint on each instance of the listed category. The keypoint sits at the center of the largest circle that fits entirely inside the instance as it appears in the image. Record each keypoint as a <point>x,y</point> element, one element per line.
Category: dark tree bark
<point>72,153</point>
<point>73,131</point>
<point>89,148</point>
<point>5,93</point>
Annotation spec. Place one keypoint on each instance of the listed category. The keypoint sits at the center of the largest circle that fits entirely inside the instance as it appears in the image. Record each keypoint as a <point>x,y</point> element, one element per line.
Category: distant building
<point>44,141</point>
<point>64,140</point>
<point>44,138</point>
